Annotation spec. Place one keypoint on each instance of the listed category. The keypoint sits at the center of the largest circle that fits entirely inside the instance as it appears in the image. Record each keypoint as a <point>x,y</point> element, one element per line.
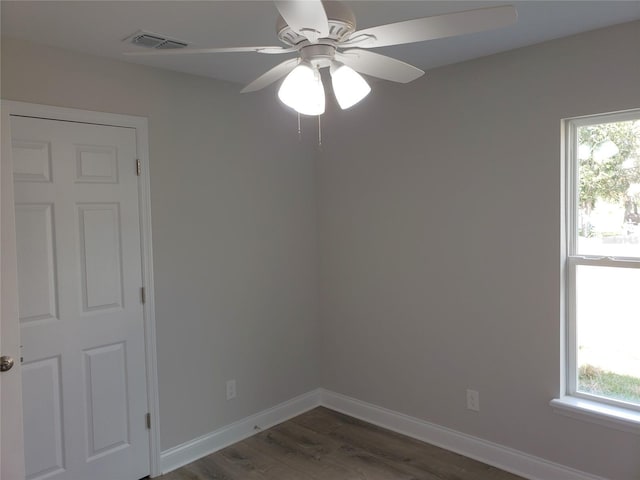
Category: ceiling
<point>99,27</point>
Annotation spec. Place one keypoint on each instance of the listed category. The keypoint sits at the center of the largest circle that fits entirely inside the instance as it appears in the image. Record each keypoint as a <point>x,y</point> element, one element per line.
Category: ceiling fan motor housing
<point>342,23</point>
<point>318,55</point>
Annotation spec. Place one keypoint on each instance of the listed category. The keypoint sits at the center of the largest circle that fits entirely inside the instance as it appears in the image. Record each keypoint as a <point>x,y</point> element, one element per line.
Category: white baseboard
<point>199,447</point>
<point>505,458</point>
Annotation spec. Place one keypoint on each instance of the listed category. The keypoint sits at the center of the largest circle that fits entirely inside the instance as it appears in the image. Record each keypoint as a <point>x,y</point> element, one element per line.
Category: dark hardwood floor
<point>325,445</point>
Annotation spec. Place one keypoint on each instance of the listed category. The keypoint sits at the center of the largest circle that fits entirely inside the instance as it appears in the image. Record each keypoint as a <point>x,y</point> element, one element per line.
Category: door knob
<point>5,363</point>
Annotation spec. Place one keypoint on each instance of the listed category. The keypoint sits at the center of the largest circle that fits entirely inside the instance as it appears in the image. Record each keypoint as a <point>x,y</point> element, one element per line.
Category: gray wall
<point>233,210</point>
<point>440,244</point>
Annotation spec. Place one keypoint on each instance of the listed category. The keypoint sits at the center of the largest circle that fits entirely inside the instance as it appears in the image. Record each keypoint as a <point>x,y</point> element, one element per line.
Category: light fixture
<point>348,85</point>
<point>302,90</point>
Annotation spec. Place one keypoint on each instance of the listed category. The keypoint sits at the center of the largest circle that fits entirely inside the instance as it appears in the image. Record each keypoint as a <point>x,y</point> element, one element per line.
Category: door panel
<point>96,164</point>
<point>41,390</point>
<point>31,161</point>
<point>79,280</point>
<point>106,397</point>
<point>100,258</point>
<point>37,284</point>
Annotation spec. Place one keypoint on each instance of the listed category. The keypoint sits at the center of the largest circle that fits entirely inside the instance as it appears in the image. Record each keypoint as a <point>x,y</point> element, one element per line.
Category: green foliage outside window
<point>600,382</point>
<point>609,156</point>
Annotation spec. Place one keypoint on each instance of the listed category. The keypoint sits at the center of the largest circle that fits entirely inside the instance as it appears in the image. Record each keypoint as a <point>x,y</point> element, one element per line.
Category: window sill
<point>596,412</point>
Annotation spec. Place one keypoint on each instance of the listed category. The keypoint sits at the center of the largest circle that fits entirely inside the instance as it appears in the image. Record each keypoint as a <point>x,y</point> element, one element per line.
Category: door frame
<point>140,124</point>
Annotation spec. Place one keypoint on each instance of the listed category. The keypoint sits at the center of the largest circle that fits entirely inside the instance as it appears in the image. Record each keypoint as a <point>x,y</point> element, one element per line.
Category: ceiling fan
<point>323,34</point>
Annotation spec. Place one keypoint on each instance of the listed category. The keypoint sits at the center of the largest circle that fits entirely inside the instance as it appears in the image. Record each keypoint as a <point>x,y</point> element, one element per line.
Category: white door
<point>80,310</point>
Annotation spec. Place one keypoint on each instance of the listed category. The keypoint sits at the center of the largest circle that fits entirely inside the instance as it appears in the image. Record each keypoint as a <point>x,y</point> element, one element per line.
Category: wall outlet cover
<point>231,389</point>
<point>473,400</point>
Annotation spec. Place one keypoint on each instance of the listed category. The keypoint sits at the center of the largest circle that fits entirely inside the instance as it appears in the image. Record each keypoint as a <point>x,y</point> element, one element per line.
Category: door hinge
<point>148,420</point>
<point>138,167</point>
<point>143,295</point>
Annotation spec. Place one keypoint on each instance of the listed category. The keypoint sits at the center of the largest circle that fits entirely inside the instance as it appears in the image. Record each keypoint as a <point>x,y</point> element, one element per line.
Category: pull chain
<point>299,128</point>
<point>319,133</point>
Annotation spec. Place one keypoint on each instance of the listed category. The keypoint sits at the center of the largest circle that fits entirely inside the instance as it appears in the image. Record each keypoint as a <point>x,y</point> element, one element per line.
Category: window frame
<point>572,260</point>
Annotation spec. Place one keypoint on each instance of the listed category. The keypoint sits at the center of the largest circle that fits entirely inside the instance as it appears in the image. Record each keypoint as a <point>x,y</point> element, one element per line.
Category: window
<point>602,261</point>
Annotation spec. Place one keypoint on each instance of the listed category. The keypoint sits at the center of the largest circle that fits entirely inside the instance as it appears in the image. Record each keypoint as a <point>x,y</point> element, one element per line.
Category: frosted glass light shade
<point>348,85</point>
<point>302,90</point>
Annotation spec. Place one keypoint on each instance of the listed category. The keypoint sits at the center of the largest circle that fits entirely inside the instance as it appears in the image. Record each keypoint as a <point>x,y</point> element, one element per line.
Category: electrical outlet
<point>473,400</point>
<point>231,389</point>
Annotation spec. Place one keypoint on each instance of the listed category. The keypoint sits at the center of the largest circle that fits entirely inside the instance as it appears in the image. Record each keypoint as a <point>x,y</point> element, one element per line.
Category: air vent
<point>171,44</point>
<point>153,40</point>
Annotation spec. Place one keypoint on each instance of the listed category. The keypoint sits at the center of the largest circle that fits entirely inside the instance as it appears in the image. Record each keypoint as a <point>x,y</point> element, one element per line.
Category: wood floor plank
<point>301,456</point>
<point>397,447</point>
<point>326,445</point>
<point>245,461</point>
<point>400,449</point>
<point>319,420</point>
<point>205,469</point>
<point>180,474</point>
<point>349,456</point>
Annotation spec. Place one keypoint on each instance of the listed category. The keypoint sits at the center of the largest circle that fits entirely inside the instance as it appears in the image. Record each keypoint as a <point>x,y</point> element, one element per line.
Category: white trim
<point>73,115</point>
<point>505,458</point>
<point>565,281</point>
<point>610,117</point>
<point>146,243</point>
<point>199,447</point>
<point>623,416</point>
<point>140,124</point>
<point>611,416</point>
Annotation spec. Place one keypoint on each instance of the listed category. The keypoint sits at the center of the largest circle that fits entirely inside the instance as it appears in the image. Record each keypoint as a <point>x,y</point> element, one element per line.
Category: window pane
<point>609,189</point>
<point>608,331</point>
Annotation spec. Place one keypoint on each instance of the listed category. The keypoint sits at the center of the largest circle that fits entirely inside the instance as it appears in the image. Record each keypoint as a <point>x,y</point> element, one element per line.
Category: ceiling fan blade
<point>430,28</point>
<point>307,17</point>
<point>381,66</point>
<point>271,76</point>
<point>194,51</point>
